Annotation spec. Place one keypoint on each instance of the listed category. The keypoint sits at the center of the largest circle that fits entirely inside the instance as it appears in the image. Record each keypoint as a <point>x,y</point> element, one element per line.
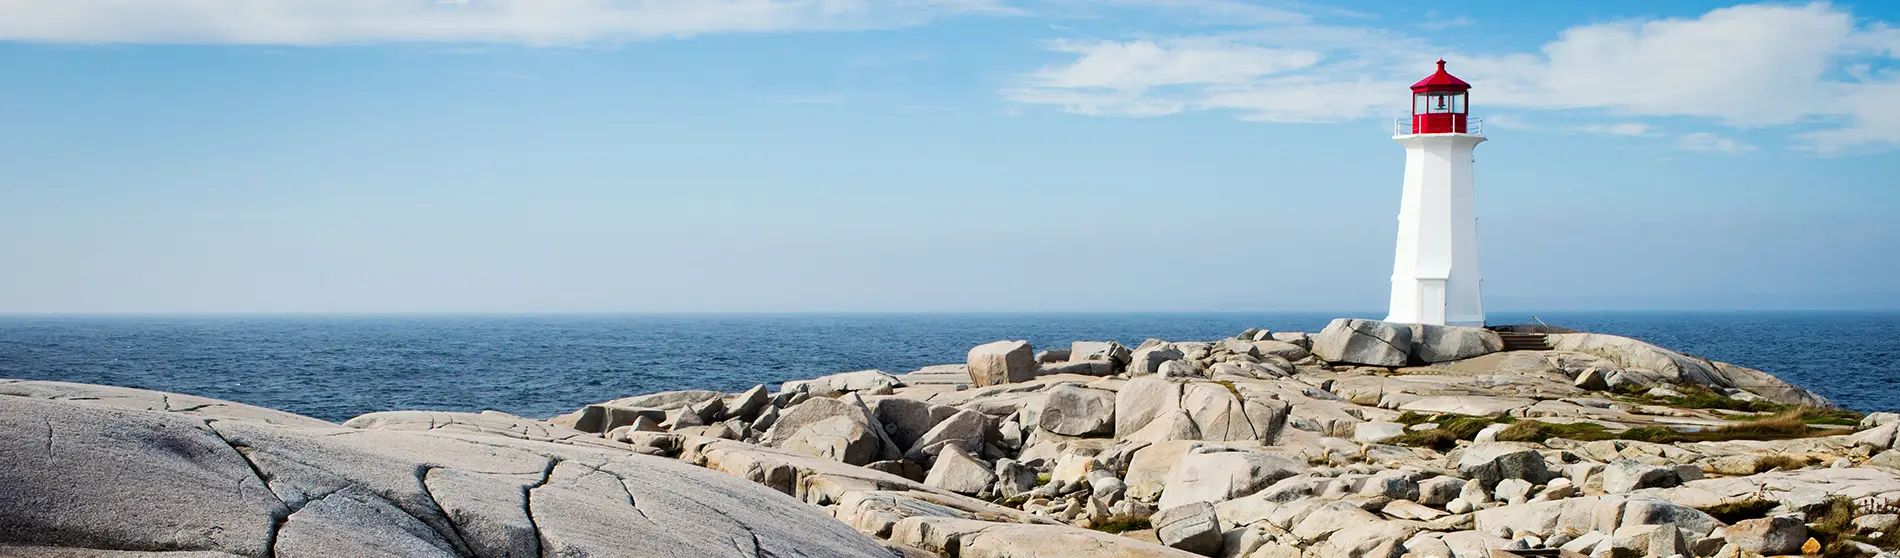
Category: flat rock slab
<point>1473,405</point>
<point>84,475</point>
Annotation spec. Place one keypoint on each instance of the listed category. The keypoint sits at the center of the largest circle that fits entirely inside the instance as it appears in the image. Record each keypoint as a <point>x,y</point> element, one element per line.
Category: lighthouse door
<point>1431,301</point>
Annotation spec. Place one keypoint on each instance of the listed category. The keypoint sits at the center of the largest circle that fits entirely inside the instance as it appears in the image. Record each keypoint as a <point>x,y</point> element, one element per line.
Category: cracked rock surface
<point>81,475</point>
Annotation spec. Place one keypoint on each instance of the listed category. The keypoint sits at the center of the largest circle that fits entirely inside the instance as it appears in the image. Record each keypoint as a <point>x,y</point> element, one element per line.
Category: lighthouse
<point>1435,277</point>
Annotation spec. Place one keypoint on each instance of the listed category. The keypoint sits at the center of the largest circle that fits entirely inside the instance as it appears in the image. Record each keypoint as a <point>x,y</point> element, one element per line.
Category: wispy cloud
<point>814,99</point>
<point>1438,22</point>
<point>535,22</point>
<point>1704,142</point>
<point>1223,12</point>
<point>1810,69</point>
<point>1620,129</point>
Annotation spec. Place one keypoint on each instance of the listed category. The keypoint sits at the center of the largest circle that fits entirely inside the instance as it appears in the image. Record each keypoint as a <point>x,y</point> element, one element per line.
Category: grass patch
<point>1731,512</point>
<point>1435,438</point>
<point>1698,397</point>
<point>1701,397</point>
<point>1451,429</point>
<point>1655,434</point>
<point>1042,479</point>
<point>1833,524</point>
<point>1465,427</point>
<point>1781,461</point>
<point>1539,431</point>
<point>1813,415</point>
<point>1631,390</point>
<point>1122,524</point>
<point>1779,427</point>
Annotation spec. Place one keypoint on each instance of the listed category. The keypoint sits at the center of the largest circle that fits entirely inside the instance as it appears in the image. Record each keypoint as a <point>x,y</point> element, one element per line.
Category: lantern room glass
<point>1438,102</point>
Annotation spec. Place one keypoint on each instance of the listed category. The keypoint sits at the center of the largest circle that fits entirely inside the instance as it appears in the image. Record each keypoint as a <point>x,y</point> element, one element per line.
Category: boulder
<point>1877,523</point>
<point>1282,349</point>
<point>603,417</point>
<point>1143,399</point>
<point>1889,459</point>
<point>1052,356</point>
<point>831,429</point>
<point>1180,369</point>
<point>1630,354</point>
<point>1002,362</point>
<point>1513,491</point>
<point>1767,386</point>
<point>1693,523</point>
<point>1078,367</point>
<point>1436,343</point>
<point>1367,342</point>
<point>1489,463</point>
<point>1078,411</point>
<point>1220,476</point>
<point>1014,478</point>
<point>1332,517</point>
<point>1107,351</point>
<point>997,540</point>
<point>1592,379</point>
<point>1148,470</point>
<point>1770,536</point>
<point>170,482</point>
<point>1438,491</point>
<point>746,406</point>
<point>1392,485</point>
<point>1648,541</point>
<point>1147,360</point>
<point>1877,438</point>
<point>1625,475</point>
<point>965,430</point>
<point>1221,415</point>
<point>906,420</point>
<point>1380,539</point>
<point>869,382</point>
<point>958,472</point>
<point>1193,528</point>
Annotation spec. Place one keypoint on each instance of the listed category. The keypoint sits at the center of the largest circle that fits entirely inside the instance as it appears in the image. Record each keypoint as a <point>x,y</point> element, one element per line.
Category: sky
<point>539,156</point>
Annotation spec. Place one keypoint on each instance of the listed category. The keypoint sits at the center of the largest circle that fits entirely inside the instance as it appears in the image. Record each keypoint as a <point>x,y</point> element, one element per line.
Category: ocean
<point>337,367</point>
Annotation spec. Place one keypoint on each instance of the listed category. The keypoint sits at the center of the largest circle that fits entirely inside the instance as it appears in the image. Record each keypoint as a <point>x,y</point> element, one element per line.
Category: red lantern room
<point>1438,104</point>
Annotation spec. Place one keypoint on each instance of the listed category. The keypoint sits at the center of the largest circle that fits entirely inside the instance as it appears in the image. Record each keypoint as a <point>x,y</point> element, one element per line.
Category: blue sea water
<point>334,367</point>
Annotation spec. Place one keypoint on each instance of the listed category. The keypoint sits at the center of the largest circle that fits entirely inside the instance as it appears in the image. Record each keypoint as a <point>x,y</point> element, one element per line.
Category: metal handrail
<point>1402,126</point>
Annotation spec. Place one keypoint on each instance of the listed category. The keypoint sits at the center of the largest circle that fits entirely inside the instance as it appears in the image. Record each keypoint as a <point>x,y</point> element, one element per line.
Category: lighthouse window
<point>1438,103</point>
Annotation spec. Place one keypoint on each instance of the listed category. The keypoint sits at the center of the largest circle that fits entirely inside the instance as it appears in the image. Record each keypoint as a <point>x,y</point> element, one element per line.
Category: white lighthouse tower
<point>1435,274</point>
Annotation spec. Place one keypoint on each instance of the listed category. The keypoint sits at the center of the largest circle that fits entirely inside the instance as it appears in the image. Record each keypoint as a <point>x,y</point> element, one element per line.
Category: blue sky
<point>915,155</point>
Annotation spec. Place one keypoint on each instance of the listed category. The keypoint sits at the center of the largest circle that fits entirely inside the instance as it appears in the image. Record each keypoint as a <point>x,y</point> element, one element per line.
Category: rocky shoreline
<point>1366,439</point>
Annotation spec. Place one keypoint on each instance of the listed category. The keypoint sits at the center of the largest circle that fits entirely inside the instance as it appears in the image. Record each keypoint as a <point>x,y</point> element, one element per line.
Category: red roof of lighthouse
<point>1441,81</point>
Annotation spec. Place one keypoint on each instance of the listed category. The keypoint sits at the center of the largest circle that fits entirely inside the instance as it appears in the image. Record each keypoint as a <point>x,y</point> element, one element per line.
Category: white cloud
<point>538,22</point>
<point>1222,12</point>
<point>1620,129</point>
<point>1139,65</point>
<point>1745,65</point>
<point>1705,142</point>
<point>1805,68</point>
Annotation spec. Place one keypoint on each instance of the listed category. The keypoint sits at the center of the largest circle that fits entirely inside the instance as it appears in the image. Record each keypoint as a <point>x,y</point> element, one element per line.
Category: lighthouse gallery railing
<point>1402,126</point>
